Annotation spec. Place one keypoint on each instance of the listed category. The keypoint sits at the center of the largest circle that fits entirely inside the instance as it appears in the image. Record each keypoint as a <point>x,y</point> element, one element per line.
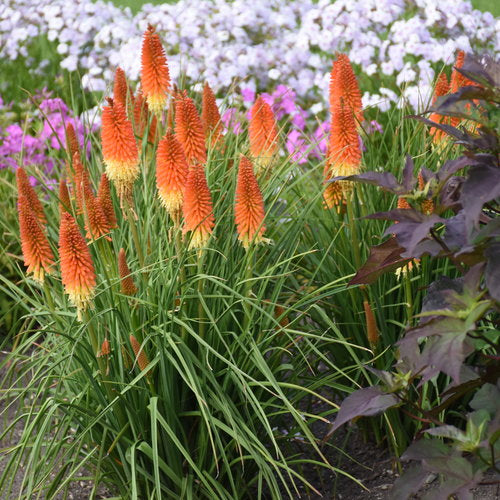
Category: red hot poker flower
<point>127,284</point>
<point>140,355</point>
<point>38,256</point>
<point>64,200</point>
<point>344,85</point>
<point>249,207</point>
<point>119,148</point>
<point>344,149</point>
<point>171,173</point>
<point>142,116</point>
<point>197,207</point>
<point>262,134</point>
<point>96,222</point>
<point>189,130</point>
<point>120,87</point>
<point>210,116</point>
<point>442,88</point>
<point>155,77</point>
<point>104,200</point>
<point>77,269</point>
<point>24,188</point>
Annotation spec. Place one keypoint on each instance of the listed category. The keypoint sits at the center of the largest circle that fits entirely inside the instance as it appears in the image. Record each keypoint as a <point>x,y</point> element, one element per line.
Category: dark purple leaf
<point>455,236</point>
<point>451,167</point>
<point>426,448</point>
<point>364,402</point>
<point>487,398</point>
<point>383,258</point>
<point>492,273</point>
<point>484,71</point>
<point>408,177</point>
<point>384,180</point>
<point>444,351</point>
<point>448,129</point>
<point>412,229</point>
<point>454,105</point>
<point>438,293</point>
<point>427,247</point>
<point>409,483</point>
<point>449,196</point>
<point>481,186</point>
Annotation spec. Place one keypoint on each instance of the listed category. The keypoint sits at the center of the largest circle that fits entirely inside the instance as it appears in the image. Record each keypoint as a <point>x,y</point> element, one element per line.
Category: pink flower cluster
<point>28,143</point>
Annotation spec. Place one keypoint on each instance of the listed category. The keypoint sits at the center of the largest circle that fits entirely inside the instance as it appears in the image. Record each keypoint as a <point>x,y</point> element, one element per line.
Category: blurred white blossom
<point>273,42</point>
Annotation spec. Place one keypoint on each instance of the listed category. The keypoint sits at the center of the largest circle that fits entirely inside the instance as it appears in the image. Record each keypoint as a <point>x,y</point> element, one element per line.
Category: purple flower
<point>56,105</point>
<point>297,147</point>
<point>248,95</point>
<point>230,120</point>
<point>374,126</point>
<point>299,118</point>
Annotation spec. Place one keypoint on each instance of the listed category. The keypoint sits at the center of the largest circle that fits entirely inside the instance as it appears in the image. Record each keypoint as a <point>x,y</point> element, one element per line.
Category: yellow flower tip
<point>333,196</point>
<point>155,77</point>
<point>249,206</point>
<point>156,103</point>
<point>77,269</point>
<point>407,268</point>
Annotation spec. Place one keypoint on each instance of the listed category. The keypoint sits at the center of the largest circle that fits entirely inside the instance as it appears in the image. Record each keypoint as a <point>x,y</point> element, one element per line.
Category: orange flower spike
<point>155,77</point>
<point>189,130</point>
<point>127,285</point>
<point>81,180</point>
<point>119,148</point>
<point>141,117</point>
<point>96,222</point>
<point>442,88</point>
<point>77,270</point>
<point>262,134</point>
<point>140,355</point>
<point>72,144</point>
<point>171,173</point>
<point>120,88</point>
<point>344,149</point>
<point>104,200</point>
<point>210,116</point>
<point>197,207</point>
<point>105,349</point>
<point>38,256</point>
<point>24,188</point>
<point>403,203</point>
<point>249,207</point>
<point>64,200</point>
<point>344,85</point>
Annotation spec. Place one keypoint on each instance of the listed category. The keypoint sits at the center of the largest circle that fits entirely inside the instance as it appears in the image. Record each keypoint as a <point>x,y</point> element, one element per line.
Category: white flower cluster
<point>264,43</point>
